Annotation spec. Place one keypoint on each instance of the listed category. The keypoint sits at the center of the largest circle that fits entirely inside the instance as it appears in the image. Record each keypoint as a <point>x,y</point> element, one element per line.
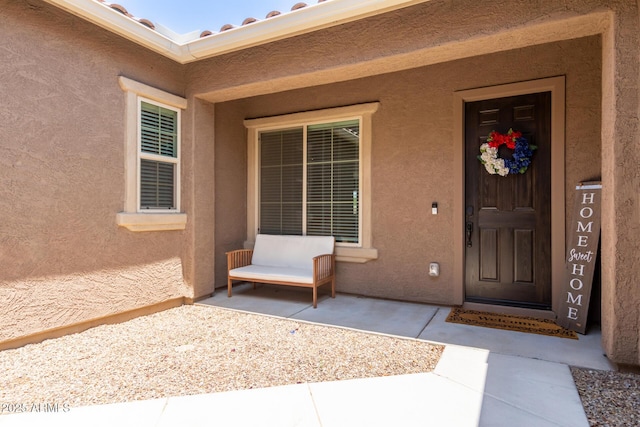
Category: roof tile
<point>147,23</point>
<point>227,27</point>
<point>247,21</point>
<point>120,9</point>
<point>272,14</point>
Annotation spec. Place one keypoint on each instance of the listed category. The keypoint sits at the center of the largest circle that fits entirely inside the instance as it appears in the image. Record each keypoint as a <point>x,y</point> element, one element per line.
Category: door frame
<point>555,85</point>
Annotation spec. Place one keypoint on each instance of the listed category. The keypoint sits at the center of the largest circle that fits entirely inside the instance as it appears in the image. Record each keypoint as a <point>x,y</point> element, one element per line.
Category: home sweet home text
<point>584,235</point>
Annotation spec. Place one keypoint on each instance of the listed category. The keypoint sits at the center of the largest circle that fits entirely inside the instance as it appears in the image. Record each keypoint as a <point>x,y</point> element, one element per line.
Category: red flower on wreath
<point>496,139</point>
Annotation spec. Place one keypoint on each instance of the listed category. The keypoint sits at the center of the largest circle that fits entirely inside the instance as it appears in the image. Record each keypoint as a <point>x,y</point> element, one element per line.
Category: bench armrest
<point>239,258</point>
<point>324,266</point>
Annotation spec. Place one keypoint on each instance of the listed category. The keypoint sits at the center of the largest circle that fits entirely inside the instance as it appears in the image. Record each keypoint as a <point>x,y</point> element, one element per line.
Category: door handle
<point>469,229</point>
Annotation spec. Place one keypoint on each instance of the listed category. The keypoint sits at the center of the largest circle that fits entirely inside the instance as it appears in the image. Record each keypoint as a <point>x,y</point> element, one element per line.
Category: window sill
<point>152,221</point>
<point>359,255</point>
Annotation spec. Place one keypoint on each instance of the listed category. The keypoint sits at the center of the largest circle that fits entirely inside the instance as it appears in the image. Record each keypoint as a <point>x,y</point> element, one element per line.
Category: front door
<point>508,218</point>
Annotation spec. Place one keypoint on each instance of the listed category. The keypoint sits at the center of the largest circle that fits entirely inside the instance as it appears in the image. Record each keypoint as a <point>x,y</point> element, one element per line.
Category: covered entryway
<point>508,218</point>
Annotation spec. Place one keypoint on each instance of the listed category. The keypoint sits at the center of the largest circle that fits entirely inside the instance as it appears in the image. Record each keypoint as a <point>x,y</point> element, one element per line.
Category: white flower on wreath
<point>493,164</point>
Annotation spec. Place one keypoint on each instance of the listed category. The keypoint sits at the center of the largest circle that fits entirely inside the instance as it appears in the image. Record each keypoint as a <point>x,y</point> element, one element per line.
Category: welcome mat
<point>509,322</point>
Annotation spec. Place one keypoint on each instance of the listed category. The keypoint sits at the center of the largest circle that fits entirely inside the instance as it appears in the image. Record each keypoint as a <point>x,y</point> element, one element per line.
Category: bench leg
<point>229,287</point>
<point>333,287</point>
<point>254,286</point>
<point>315,297</point>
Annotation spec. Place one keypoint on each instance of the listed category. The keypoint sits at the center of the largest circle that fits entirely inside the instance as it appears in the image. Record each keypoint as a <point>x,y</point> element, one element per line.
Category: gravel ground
<point>193,350</point>
<point>609,398</point>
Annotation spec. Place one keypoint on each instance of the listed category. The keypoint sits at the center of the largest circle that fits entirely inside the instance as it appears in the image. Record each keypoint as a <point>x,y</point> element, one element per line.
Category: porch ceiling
<point>551,29</point>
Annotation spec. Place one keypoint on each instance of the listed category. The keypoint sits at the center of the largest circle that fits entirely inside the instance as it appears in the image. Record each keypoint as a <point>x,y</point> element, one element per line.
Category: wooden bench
<point>306,261</point>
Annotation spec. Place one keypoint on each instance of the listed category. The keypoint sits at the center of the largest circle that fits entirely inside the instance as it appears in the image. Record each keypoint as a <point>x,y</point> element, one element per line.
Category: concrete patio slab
<point>537,387</point>
<point>406,400</point>
<point>584,352</point>
<point>281,301</point>
<point>464,365</point>
<point>496,413</point>
<point>517,390</point>
<point>290,405</point>
<point>375,315</point>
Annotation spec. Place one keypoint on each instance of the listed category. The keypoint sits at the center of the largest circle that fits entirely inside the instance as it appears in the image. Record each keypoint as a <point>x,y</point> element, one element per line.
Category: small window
<point>158,156</point>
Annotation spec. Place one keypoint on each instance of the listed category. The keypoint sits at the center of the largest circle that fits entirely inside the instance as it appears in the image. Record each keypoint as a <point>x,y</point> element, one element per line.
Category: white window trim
<point>364,251</point>
<point>132,217</point>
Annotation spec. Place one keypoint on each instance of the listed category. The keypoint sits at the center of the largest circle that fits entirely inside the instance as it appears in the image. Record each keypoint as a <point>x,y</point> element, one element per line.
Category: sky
<point>185,16</point>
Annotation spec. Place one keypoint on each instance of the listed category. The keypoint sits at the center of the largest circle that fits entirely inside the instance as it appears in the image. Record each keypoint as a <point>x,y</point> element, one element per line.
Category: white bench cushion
<point>262,272</point>
<point>290,251</point>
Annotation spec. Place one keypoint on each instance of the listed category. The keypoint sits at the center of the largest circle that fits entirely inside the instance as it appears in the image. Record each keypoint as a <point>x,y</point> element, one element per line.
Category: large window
<point>152,159</point>
<point>310,181</point>
<point>309,174</point>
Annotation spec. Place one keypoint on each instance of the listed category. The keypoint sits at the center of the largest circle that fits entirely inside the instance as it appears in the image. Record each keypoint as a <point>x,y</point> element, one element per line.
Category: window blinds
<point>156,185</point>
<point>158,139</point>
<point>281,182</point>
<point>333,180</point>
<point>158,130</point>
<point>330,174</point>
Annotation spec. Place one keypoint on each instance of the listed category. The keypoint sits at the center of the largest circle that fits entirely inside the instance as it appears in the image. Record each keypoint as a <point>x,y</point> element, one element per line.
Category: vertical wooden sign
<point>584,235</point>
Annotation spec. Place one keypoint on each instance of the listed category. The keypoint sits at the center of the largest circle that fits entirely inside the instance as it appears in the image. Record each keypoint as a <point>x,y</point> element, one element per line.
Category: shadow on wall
<point>36,304</point>
<point>29,250</point>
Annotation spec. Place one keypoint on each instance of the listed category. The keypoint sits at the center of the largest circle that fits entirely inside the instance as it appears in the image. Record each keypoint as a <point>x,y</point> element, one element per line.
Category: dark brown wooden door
<point>508,219</point>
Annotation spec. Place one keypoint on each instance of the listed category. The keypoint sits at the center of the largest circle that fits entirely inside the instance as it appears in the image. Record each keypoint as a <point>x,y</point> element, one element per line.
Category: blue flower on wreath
<point>521,157</point>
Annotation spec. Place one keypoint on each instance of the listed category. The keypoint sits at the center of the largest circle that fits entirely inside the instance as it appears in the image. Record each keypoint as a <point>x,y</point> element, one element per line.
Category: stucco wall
<point>63,258</point>
<point>439,32</point>
<point>61,107</point>
<point>199,197</point>
<point>413,157</point>
<point>620,244</point>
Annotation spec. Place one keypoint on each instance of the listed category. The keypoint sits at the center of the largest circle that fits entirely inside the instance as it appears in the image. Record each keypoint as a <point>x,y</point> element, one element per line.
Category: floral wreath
<point>521,157</point>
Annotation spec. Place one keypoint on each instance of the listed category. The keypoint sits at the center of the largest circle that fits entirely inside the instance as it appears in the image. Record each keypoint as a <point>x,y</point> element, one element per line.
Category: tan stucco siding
<point>231,185</point>
<point>428,33</point>
<point>64,260</point>
<point>413,156</point>
<point>621,184</point>
<point>439,32</point>
<point>199,200</point>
